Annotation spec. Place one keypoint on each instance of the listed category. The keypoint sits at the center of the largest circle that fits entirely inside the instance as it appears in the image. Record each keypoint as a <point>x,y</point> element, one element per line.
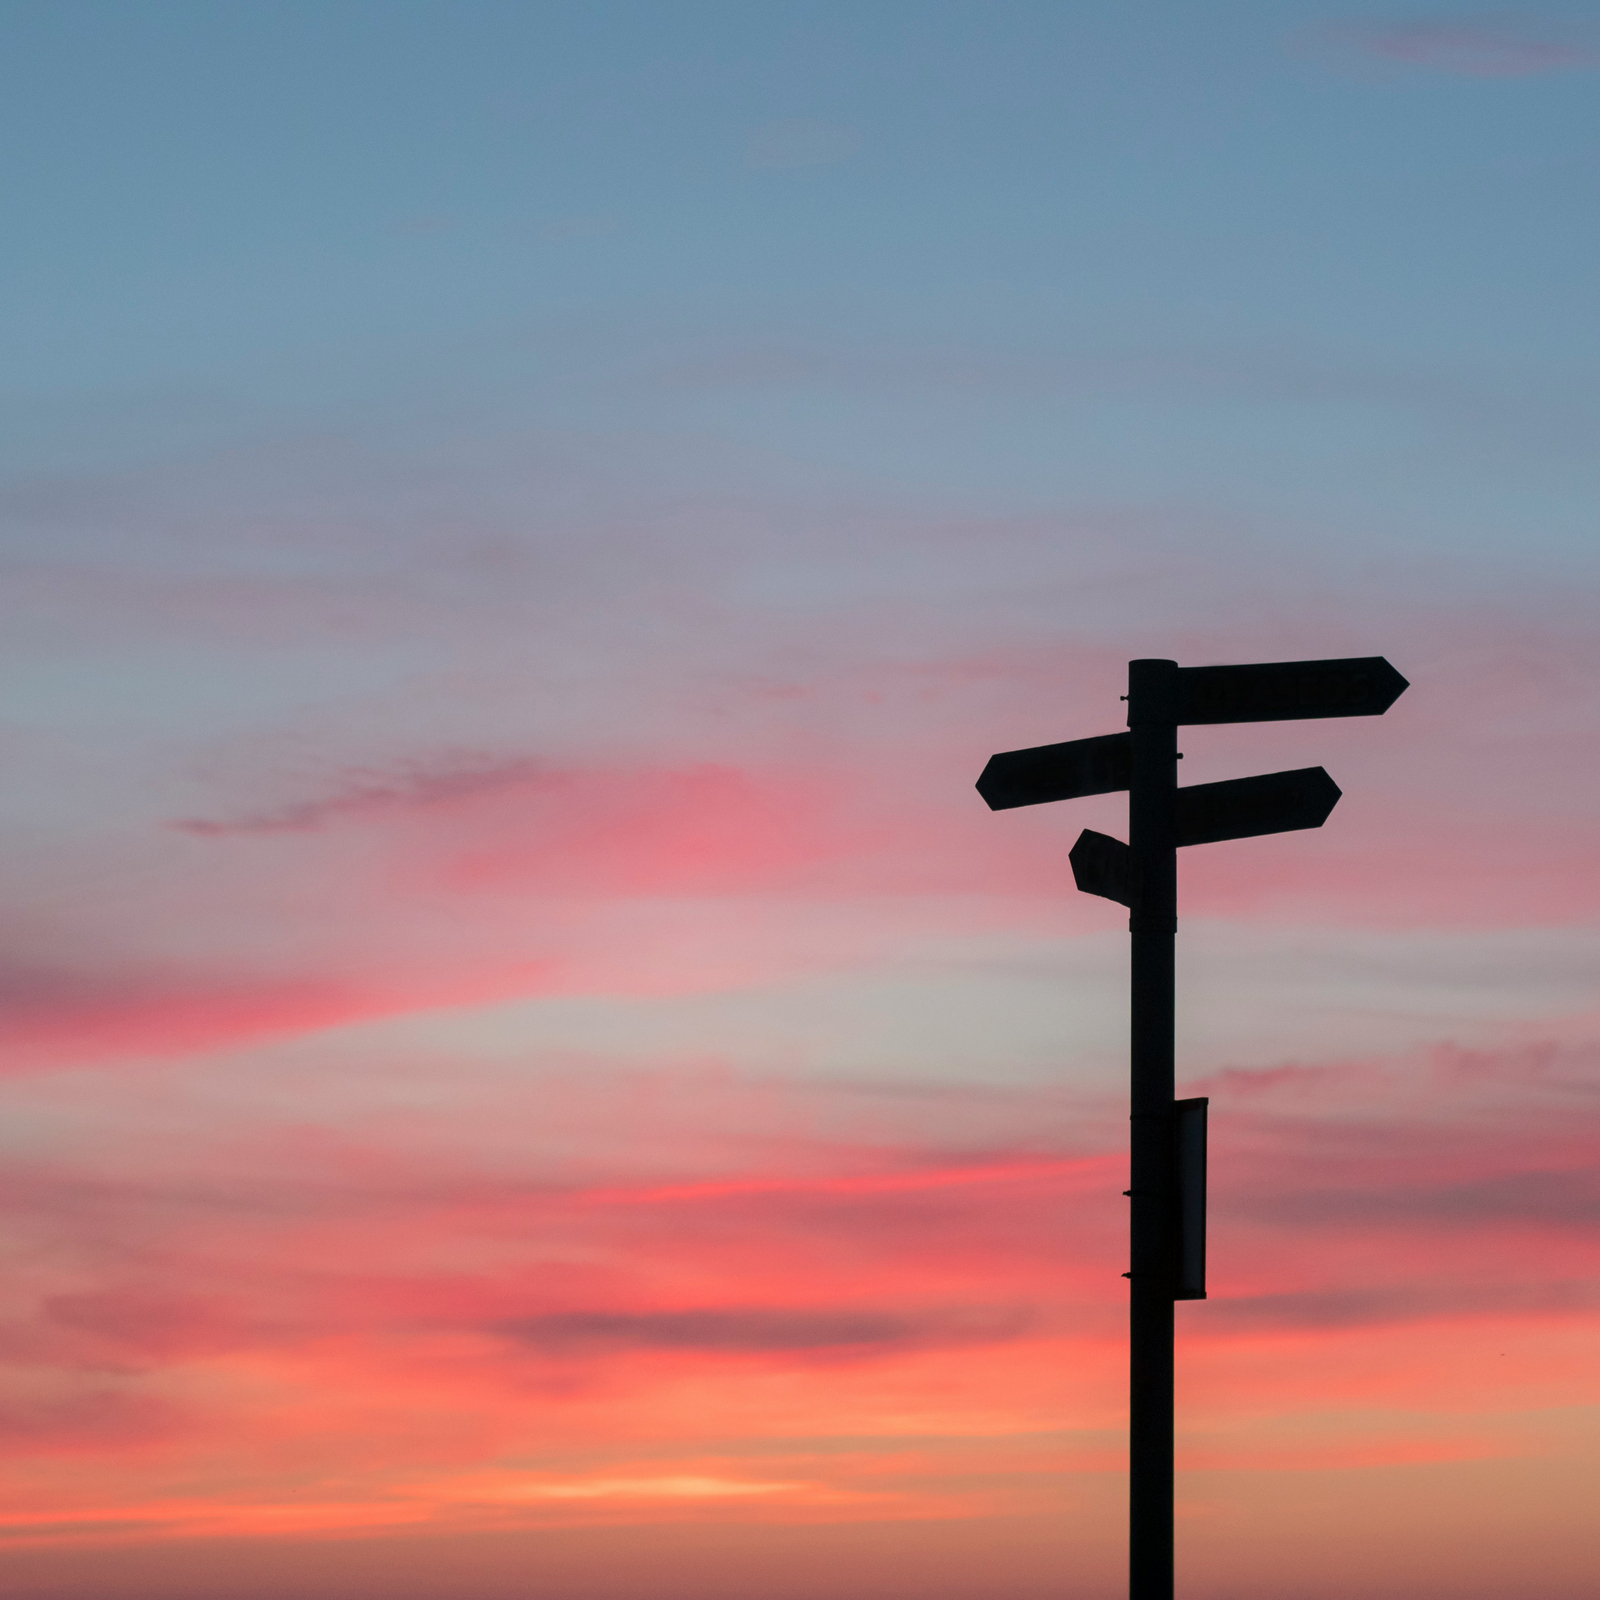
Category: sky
<point>528,1069</point>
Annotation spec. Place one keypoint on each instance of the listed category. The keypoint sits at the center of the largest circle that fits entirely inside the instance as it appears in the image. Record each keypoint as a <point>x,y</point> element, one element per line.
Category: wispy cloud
<point>1354,1307</point>
<point>368,792</point>
<point>1469,48</point>
<point>794,1331</point>
<point>799,142</point>
<point>53,1013</point>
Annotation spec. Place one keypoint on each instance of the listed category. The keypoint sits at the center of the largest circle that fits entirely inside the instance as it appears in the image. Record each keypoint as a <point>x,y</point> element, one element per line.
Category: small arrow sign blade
<point>1057,771</point>
<point>1281,691</point>
<point>1103,865</point>
<point>1277,802</point>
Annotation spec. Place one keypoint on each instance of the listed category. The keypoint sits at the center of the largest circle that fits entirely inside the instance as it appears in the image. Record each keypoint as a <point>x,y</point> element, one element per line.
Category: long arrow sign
<point>1057,771</point>
<point>1280,691</point>
<point>1241,808</point>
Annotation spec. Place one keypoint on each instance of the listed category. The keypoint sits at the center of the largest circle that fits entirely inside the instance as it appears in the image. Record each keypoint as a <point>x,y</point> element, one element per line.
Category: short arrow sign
<point>1277,802</point>
<point>1057,771</point>
<point>1280,691</point>
<point>1102,865</point>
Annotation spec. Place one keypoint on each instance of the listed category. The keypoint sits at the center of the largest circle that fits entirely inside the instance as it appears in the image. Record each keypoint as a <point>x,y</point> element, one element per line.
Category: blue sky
<point>971,249</point>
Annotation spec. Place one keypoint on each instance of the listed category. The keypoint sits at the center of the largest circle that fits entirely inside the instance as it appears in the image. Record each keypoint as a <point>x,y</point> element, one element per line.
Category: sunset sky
<point>529,1072</point>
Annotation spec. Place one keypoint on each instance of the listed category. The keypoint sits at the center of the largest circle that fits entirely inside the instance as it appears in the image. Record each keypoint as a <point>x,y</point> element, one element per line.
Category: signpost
<point>1167,1254</point>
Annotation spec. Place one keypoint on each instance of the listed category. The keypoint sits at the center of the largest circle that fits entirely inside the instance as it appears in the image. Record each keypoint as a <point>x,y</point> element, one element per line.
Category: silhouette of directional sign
<point>1102,865</point>
<point>1057,771</point>
<point>1277,802</point>
<point>1278,691</point>
<point>1167,1236</point>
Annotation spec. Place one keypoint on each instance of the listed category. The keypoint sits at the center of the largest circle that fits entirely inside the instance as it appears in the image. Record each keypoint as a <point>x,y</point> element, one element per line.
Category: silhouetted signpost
<point>1167,1257</point>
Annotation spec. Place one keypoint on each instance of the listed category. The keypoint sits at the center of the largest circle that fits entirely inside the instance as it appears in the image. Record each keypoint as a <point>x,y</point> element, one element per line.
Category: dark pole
<point>1152,838</point>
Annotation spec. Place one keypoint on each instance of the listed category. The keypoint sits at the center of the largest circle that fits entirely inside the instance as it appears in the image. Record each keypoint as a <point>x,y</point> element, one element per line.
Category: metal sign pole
<point>1153,841</point>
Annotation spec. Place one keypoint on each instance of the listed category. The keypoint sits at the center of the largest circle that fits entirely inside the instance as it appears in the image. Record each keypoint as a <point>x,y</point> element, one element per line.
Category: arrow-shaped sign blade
<point>1281,691</point>
<point>1057,771</point>
<point>1103,865</point>
<point>1277,802</point>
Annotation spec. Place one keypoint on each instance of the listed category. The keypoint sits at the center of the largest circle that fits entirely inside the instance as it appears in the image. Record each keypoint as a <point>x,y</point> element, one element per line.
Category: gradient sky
<point>529,1072</point>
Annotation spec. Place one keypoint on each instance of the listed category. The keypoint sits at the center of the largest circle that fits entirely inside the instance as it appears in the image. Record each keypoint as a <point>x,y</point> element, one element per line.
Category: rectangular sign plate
<point>1281,691</point>
<point>1057,771</point>
<point>1191,1186</point>
<point>1240,808</point>
<point>1103,865</point>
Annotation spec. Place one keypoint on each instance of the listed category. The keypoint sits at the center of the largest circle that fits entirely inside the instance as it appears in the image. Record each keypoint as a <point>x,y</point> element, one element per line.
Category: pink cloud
<point>523,823</point>
<point>54,1017</point>
<point>798,1334</point>
<point>800,143</point>
<point>450,1297</point>
<point>91,1421</point>
<point>1473,49</point>
<point>706,829</point>
<point>426,879</point>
